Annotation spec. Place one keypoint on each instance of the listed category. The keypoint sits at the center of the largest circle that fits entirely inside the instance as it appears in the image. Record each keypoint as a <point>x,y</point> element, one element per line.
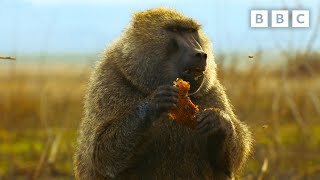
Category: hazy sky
<point>62,26</point>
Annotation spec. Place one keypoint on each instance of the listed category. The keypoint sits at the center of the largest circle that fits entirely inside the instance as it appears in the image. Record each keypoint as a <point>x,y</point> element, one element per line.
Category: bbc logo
<point>280,18</point>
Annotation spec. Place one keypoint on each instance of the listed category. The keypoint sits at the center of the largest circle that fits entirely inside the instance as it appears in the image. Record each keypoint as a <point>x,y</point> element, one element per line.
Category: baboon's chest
<point>171,139</point>
<point>174,151</point>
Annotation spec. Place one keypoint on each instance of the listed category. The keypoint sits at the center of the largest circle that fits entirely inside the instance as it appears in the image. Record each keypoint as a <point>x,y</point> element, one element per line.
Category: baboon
<point>126,132</point>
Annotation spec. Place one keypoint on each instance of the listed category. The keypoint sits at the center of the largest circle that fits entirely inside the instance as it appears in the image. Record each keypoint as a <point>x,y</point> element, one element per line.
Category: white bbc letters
<point>280,18</point>
<point>300,18</point>
<point>259,18</point>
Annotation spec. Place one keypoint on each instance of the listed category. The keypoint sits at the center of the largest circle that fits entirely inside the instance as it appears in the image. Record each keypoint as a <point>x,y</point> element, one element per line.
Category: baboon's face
<point>188,56</point>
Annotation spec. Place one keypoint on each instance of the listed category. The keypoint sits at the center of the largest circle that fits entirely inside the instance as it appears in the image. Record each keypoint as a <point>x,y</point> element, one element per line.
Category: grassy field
<point>41,107</point>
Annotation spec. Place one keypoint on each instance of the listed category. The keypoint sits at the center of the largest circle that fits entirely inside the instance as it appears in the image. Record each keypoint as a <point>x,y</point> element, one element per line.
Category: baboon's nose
<point>201,55</point>
<point>200,59</point>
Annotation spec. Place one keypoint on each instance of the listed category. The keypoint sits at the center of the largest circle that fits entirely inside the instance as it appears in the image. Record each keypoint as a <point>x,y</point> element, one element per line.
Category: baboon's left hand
<point>213,121</point>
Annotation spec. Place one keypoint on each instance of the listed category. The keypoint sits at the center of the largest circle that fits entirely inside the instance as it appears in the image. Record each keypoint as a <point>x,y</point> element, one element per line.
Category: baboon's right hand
<point>163,99</point>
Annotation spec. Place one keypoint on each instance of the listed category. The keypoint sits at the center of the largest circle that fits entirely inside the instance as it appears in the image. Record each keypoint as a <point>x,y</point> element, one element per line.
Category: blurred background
<point>272,77</point>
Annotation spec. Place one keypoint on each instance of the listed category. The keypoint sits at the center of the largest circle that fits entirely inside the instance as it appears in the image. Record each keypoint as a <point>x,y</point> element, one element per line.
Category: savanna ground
<point>41,107</point>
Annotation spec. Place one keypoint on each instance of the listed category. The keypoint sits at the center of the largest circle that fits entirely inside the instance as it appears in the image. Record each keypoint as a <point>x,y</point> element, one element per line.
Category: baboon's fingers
<point>204,122</point>
<point>166,93</point>
<point>172,100</point>
<point>168,87</point>
<point>204,129</point>
<point>166,106</point>
<point>208,128</point>
<point>202,115</point>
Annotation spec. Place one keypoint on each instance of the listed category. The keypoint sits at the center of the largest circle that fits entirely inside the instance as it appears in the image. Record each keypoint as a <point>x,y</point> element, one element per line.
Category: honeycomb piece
<point>185,111</point>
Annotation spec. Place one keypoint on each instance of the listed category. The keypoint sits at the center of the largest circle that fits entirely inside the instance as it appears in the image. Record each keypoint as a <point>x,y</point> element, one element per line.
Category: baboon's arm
<point>117,141</point>
<point>227,151</point>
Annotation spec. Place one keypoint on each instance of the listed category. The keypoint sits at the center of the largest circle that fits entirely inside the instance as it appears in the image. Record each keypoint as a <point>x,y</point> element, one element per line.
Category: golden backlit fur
<point>114,143</point>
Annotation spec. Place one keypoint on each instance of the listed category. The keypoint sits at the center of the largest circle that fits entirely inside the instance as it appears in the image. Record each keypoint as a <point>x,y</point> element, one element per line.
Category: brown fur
<point>112,144</point>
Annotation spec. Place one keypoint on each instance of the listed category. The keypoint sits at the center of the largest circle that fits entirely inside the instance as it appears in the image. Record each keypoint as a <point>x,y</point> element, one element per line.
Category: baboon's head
<point>161,45</point>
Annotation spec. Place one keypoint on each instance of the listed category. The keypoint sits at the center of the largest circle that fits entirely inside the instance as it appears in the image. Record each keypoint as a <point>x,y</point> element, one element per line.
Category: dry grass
<point>41,107</point>
<point>7,58</point>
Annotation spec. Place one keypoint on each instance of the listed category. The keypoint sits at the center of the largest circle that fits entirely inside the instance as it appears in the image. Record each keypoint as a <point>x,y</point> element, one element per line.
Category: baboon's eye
<point>173,46</point>
<point>180,29</point>
<point>172,29</point>
<point>191,30</point>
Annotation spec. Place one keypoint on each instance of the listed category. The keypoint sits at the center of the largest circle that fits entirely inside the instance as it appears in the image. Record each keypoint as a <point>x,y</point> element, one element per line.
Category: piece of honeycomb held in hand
<point>185,111</point>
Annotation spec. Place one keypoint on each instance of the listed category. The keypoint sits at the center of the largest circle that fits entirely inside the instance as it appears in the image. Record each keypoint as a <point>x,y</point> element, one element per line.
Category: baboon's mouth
<point>195,72</point>
<point>195,77</point>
